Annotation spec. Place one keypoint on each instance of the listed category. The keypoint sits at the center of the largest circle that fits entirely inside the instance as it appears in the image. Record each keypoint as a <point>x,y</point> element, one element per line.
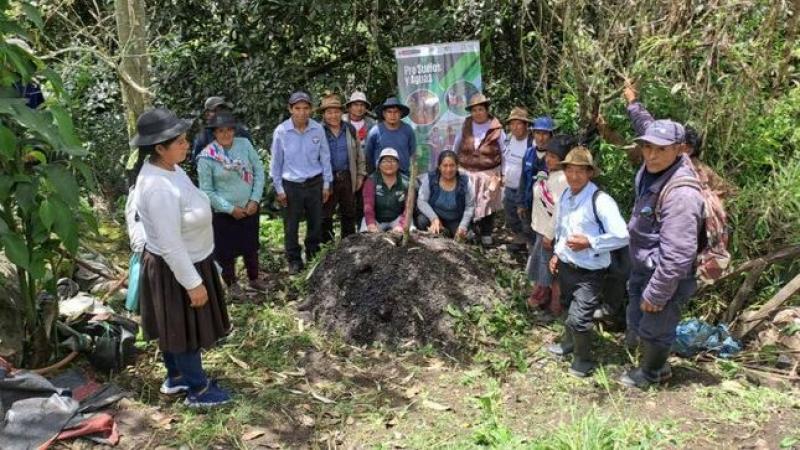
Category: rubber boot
<point>653,367</point>
<point>631,341</point>
<point>564,346</point>
<point>582,361</point>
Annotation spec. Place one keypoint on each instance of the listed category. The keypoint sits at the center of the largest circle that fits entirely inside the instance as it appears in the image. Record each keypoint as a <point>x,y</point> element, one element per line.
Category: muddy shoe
<point>583,364</point>
<point>565,346</point>
<point>653,368</point>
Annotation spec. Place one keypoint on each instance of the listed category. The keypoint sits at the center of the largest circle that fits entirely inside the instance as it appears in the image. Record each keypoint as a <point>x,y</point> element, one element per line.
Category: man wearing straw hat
<point>360,118</point>
<point>357,114</point>
<point>514,149</point>
<point>588,227</point>
<point>348,166</point>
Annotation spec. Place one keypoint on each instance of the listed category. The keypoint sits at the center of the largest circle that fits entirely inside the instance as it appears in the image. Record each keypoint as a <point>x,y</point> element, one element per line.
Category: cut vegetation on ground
<point>297,385</point>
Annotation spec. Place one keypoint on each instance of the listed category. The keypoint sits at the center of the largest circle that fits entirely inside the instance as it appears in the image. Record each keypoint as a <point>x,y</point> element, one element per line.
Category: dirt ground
<point>296,385</point>
<point>372,289</point>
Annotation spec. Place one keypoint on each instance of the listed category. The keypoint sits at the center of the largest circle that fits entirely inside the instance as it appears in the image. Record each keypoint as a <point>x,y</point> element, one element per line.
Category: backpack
<point>620,266</point>
<point>713,257</point>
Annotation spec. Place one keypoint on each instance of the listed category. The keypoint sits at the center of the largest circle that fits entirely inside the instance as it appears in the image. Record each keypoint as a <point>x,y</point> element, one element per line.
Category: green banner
<point>436,81</point>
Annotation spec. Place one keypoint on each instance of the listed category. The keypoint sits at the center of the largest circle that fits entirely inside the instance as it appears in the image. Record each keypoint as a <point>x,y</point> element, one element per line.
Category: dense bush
<point>729,67</point>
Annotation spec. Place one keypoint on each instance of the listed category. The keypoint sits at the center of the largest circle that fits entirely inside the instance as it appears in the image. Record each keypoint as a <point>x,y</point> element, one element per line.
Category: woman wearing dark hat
<point>230,172</point>
<point>182,302</point>
<point>479,148</point>
<point>547,190</point>
<point>446,199</point>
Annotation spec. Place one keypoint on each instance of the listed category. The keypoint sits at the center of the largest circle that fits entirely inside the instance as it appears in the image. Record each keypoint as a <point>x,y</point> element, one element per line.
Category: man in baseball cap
<point>301,174</point>
<point>665,229</point>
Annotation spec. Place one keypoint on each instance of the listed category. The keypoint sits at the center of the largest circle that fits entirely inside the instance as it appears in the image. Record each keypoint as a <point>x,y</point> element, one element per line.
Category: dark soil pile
<point>371,289</point>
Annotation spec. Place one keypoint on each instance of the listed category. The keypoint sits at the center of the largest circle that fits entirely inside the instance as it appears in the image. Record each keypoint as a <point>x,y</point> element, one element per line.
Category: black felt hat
<point>391,102</point>
<point>158,125</point>
<point>222,119</point>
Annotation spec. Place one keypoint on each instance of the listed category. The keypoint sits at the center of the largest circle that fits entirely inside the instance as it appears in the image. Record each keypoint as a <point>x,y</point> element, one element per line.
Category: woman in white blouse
<point>547,189</point>
<point>181,296</point>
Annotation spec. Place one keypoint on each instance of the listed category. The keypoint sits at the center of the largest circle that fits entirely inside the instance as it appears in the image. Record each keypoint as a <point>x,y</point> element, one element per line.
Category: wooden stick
<point>744,291</point>
<point>780,255</point>
<point>410,202</point>
<point>67,359</point>
<point>749,323</point>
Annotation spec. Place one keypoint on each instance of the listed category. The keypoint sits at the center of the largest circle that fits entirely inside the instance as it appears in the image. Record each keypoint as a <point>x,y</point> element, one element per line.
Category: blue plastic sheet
<point>695,336</point>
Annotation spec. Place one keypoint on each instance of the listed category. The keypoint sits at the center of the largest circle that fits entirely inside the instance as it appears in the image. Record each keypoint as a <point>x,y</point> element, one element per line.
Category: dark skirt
<point>233,237</point>
<point>167,314</point>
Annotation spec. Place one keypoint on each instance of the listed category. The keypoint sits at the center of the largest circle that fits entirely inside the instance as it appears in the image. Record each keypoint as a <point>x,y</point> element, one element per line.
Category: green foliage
<point>491,431</point>
<point>594,430</point>
<point>734,402</point>
<point>39,193</point>
<point>497,334</point>
<point>727,67</point>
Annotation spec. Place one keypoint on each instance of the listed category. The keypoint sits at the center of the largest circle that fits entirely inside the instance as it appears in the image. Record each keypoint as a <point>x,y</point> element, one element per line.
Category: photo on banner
<point>436,81</point>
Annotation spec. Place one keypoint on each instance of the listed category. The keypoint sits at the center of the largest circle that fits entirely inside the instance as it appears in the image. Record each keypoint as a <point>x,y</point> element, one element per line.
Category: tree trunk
<point>134,67</point>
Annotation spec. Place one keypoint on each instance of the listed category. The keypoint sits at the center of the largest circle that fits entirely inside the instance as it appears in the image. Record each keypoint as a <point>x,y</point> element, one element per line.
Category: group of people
<point>357,170</point>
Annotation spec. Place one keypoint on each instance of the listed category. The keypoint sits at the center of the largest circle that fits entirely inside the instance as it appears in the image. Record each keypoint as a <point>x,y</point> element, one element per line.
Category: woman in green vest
<point>385,195</point>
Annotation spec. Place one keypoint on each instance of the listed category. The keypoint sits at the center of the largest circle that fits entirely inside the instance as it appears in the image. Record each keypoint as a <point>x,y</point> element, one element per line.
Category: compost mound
<point>372,289</point>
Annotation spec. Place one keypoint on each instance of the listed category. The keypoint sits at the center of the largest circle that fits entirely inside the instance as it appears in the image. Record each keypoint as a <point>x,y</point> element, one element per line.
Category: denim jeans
<point>188,367</point>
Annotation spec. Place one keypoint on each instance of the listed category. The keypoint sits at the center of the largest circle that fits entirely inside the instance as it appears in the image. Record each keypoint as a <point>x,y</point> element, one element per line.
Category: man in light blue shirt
<point>582,254</point>
<point>302,175</point>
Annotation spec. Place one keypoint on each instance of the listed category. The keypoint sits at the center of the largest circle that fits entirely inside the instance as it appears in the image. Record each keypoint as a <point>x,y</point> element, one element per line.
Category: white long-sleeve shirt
<point>576,216</point>
<point>177,220</point>
<point>136,235</point>
<point>544,210</point>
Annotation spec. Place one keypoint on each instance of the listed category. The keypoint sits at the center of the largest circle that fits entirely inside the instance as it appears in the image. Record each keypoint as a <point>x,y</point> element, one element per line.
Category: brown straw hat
<point>580,156</point>
<point>519,113</point>
<point>478,99</point>
<point>330,101</point>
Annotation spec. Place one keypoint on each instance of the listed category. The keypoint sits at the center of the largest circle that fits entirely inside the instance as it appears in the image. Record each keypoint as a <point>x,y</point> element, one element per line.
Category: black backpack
<point>620,266</point>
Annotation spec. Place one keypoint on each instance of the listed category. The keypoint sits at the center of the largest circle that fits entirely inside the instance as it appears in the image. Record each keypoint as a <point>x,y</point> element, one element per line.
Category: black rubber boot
<point>582,362</point>
<point>564,346</point>
<point>653,367</point>
<point>631,340</point>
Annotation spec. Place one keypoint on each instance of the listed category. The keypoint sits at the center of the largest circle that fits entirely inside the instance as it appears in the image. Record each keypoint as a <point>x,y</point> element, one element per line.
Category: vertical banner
<point>436,81</point>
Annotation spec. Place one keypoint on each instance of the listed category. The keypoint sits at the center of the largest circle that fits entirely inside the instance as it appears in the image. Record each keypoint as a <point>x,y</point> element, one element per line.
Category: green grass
<point>597,430</point>
<point>735,402</point>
